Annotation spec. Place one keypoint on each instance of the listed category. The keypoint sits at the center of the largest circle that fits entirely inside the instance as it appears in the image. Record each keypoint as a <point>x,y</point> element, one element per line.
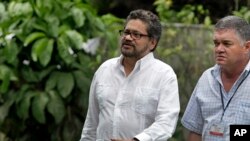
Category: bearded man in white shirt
<point>134,97</point>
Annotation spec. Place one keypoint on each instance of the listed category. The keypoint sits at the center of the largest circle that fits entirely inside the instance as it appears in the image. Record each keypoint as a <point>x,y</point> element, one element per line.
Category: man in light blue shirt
<point>222,95</point>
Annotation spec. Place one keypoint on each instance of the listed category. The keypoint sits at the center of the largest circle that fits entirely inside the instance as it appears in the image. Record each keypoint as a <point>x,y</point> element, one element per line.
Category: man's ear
<point>153,43</point>
<point>247,46</point>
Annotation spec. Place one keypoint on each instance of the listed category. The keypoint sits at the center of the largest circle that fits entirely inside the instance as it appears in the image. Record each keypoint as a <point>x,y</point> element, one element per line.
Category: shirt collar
<point>247,68</point>
<point>146,59</point>
<point>216,70</point>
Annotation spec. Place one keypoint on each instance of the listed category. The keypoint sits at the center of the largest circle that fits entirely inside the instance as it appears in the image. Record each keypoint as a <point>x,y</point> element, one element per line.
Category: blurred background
<point>50,49</point>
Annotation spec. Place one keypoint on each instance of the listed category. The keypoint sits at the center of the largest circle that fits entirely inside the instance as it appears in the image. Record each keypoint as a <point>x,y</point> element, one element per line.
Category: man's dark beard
<point>135,53</point>
<point>129,54</point>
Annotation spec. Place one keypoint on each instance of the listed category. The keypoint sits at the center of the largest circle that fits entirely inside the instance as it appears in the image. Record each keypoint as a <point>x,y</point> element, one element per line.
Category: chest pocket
<point>243,113</point>
<point>146,101</point>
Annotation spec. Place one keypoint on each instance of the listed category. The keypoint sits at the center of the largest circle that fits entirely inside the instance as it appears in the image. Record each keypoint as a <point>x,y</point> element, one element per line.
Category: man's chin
<point>127,54</point>
<point>220,63</point>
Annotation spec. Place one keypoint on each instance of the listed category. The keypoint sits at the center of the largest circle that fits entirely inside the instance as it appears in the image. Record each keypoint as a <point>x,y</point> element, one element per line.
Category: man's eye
<point>136,34</point>
<point>227,44</point>
<point>126,33</point>
<point>216,44</point>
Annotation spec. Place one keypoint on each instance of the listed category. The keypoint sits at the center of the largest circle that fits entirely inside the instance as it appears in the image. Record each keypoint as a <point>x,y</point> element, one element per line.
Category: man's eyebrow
<point>227,41</point>
<point>131,30</point>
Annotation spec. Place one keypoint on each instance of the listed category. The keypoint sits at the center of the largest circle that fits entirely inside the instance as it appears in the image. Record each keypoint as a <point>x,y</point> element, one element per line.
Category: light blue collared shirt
<point>205,105</point>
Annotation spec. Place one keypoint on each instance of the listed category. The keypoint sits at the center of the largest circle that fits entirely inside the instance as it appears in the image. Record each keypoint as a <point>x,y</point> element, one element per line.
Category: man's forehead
<point>223,30</point>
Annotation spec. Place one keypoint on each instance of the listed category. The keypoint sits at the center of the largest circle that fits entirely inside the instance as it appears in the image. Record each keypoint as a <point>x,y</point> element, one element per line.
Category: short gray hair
<point>238,24</point>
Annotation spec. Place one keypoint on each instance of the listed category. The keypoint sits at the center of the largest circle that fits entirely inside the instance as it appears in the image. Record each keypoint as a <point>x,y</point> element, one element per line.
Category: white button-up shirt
<point>144,104</point>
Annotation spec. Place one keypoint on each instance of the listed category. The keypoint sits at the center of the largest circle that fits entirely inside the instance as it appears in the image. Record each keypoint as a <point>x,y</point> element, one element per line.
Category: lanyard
<point>221,94</point>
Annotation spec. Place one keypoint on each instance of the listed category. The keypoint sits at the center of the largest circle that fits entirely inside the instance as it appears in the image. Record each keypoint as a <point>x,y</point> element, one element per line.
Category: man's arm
<point>194,136</point>
<point>91,121</point>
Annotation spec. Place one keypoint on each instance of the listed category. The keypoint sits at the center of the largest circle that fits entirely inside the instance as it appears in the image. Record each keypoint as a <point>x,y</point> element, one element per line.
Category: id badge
<point>217,129</point>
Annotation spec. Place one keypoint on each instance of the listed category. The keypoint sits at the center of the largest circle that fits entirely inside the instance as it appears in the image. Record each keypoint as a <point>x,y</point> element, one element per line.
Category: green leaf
<point>11,51</point>
<point>4,110</point>
<point>29,74</point>
<point>32,37</point>
<point>38,48</point>
<point>63,28</point>
<point>22,91</point>
<point>43,7</point>
<point>52,81</point>
<point>5,83</point>
<point>82,82</point>
<point>45,72</point>
<point>78,16</point>
<point>63,49</point>
<point>24,106</point>
<point>19,9</point>
<point>75,38</point>
<point>53,25</point>
<point>38,106</point>
<point>4,70</point>
<point>42,50</point>
<point>45,55</point>
<point>207,21</point>
<point>56,106</point>
<point>65,84</point>
<point>2,9</point>
<point>40,25</point>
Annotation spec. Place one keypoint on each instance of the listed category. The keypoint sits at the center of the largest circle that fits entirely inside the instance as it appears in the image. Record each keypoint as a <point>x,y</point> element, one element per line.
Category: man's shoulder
<point>162,66</point>
<point>209,75</point>
<point>107,66</point>
<point>109,62</point>
<point>211,70</point>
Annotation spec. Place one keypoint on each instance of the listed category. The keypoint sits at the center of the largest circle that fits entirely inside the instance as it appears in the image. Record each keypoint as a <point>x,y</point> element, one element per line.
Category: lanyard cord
<point>221,94</point>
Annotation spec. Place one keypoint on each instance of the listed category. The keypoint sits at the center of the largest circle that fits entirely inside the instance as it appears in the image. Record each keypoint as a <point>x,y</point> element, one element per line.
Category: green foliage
<point>189,14</point>
<point>46,66</point>
<point>188,49</point>
<point>243,12</point>
<point>186,45</point>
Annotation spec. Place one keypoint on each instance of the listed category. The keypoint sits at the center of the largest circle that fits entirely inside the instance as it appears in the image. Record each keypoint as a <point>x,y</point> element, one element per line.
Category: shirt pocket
<point>146,101</point>
<point>243,113</point>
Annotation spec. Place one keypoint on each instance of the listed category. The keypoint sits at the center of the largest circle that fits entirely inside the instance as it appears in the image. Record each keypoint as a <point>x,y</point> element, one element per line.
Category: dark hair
<point>239,25</point>
<point>153,23</point>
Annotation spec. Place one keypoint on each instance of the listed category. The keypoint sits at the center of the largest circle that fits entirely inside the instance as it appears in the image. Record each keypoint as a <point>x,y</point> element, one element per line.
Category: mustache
<point>128,43</point>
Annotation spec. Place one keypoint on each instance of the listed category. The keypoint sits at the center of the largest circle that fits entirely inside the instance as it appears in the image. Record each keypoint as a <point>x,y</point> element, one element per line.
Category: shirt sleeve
<point>192,118</point>
<point>91,121</point>
<point>167,111</point>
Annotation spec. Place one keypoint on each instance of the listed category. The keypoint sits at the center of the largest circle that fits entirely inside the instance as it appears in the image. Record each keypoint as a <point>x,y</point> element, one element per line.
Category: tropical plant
<point>188,14</point>
<point>47,60</point>
<point>185,45</point>
<point>243,12</point>
<point>188,49</point>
